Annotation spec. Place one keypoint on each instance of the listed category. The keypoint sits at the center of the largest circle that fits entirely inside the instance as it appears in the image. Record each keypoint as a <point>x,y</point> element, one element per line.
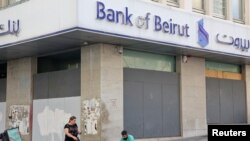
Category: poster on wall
<point>19,117</point>
<point>90,116</point>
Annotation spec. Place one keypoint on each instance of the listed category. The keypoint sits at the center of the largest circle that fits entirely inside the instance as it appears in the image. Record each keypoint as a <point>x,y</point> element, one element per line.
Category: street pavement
<point>203,138</point>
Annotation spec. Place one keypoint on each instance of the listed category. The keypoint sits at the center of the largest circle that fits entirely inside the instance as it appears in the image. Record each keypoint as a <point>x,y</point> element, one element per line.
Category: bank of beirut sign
<point>166,27</point>
<point>142,22</point>
<point>10,28</point>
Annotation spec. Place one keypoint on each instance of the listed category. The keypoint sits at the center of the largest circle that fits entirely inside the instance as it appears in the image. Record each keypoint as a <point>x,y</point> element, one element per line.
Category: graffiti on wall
<point>52,122</point>
<point>90,116</point>
<point>19,117</point>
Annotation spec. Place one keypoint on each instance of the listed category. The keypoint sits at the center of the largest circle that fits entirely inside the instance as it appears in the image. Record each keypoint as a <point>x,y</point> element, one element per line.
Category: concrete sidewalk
<point>203,138</point>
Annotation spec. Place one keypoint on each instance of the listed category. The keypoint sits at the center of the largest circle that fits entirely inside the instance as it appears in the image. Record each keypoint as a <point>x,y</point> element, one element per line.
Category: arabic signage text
<point>239,43</point>
<point>11,28</point>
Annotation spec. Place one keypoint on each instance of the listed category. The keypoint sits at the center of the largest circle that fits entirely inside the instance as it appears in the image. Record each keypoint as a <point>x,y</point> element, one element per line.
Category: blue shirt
<point>130,138</point>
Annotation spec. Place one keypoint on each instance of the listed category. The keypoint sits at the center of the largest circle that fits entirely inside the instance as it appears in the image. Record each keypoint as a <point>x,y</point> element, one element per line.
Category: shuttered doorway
<point>151,103</point>
<point>226,101</point>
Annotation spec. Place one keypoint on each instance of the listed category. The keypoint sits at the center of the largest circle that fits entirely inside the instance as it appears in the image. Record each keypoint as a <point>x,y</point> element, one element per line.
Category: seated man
<point>126,136</point>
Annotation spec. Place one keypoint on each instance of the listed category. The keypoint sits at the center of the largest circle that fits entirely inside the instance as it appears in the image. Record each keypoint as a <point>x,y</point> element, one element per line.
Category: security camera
<point>120,50</point>
<point>184,59</point>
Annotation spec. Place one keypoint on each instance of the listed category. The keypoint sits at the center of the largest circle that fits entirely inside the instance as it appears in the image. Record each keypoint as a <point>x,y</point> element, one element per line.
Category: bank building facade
<point>161,69</point>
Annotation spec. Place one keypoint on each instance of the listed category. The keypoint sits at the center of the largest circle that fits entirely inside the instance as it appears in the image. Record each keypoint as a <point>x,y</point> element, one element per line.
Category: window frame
<point>242,21</point>
<point>172,3</point>
<point>197,10</point>
<point>224,10</point>
<point>168,2</point>
<point>6,3</point>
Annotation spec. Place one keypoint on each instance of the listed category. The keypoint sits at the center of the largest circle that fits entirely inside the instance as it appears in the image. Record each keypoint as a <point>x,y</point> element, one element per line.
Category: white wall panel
<point>50,116</point>
<point>2,116</point>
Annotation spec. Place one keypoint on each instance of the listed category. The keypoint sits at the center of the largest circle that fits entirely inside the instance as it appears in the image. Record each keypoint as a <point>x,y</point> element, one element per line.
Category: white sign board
<point>165,25</point>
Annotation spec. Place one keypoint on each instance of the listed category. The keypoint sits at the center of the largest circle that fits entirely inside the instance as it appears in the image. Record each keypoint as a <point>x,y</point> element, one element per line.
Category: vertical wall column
<point>209,7</point>
<point>229,10</point>
<point>4,3</point>
<point>19,95</point>
<point>246,12</point>
<point>247,80</point>
<point>186,4</point>
<point>193,96</point>
<point>101,92</point>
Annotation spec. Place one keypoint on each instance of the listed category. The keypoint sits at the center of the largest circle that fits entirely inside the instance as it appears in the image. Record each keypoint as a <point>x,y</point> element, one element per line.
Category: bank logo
<point>203,37</point>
